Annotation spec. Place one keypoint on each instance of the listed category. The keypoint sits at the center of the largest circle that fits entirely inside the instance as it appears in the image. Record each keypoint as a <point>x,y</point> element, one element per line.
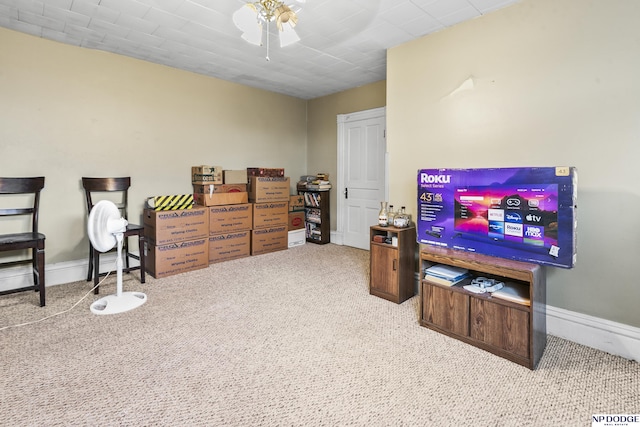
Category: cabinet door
<point>384,269</point>
<point>445,308</point>
<point>500,326</point>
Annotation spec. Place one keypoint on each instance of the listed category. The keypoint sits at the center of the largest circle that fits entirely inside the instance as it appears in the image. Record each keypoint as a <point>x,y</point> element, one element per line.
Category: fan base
<point>114,304</point>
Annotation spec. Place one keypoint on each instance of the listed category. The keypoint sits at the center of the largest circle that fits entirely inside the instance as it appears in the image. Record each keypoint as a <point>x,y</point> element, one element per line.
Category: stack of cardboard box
<point>269,193</point>
<point>176,240</point>
<point>238,213</point>
<point>230,214</point>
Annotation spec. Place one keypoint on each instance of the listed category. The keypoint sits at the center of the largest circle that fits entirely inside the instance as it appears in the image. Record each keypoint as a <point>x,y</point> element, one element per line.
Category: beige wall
<point>555,83</point>
<point>322,129</point>
<point>68,112</point>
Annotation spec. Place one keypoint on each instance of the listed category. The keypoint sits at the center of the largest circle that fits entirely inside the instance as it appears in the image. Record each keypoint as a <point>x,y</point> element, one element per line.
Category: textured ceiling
<point>343,42</point>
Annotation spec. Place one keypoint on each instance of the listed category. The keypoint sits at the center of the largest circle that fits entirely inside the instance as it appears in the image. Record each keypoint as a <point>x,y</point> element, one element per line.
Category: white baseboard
<point>336,237</point>
<point>56,274</point>
<point>612,337</point>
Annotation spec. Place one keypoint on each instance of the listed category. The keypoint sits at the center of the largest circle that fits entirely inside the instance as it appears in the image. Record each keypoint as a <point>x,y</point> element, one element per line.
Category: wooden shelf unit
<point>392,268</point>
<point>317,220</point>
<point>514,331</point>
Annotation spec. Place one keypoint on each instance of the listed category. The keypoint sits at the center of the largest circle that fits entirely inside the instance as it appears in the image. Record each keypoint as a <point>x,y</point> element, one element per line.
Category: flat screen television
<point>525,214</point>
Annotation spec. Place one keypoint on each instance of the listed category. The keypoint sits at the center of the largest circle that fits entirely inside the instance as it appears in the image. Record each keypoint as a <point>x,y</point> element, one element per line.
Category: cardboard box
<point>296,203</point>
<point>228,218</point>
<point>296,220</point>
<point>267,240</point>
<point>235,176</point>
<point>228,246</point>
<point>206,174</point>
<point>268,189</point>
<point>164,227</point>
<point>297,238</point>
<point>267,172</point>
<point>219,188</point>
<point>175,258</point>
<point>270,214</point>
<point>170,203</point>
<point>217,199</point>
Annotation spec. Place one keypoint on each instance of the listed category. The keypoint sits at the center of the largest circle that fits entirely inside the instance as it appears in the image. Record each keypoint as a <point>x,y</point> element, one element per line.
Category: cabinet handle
<point>346,193</point>
<point>395,264</point>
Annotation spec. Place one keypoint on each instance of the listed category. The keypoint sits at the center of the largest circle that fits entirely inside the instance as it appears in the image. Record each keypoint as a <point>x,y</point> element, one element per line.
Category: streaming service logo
<point>513,229</point>
<point>533,235</point>
<point>495,215</point>
<point>532,218</point>
<point>496,230</point>
<point>513,217</point>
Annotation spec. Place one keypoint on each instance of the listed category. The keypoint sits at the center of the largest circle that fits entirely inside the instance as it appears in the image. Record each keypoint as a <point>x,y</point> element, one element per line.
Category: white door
<point>362,179</point>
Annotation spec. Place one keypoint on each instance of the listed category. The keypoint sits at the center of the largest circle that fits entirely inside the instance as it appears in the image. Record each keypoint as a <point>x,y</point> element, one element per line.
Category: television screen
<point>520,213</point>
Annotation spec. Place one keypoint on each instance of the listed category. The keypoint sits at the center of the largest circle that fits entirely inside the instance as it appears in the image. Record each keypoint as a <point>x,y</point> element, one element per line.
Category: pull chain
<point>268,41</point>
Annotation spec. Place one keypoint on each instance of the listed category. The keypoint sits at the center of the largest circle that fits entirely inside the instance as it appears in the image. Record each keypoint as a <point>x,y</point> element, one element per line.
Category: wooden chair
<point>30,240</point>
<point>119,187</point>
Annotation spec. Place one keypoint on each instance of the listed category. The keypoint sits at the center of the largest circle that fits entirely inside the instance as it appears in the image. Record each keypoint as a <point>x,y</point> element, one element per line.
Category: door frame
<point>342,119</point>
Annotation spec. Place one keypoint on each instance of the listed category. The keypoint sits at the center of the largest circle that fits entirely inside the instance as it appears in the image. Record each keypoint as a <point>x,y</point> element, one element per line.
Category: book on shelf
<point>514,292</point>
<point>319,187</point>
<point>446,272</point>
<point>463,280</point>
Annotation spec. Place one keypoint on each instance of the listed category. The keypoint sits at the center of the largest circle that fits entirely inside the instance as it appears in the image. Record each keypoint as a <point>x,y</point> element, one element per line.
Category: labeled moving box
<point>296,203</point>
<point>265,240</point>
<point>175,258</point>
<point>206,174</point>
<point>230,232</point>
<point>270,214</point>
<point>268,189</point>
<point>227,218</point>
<point>228,246</point>
<point>163,227</point>
<point>177,241</point>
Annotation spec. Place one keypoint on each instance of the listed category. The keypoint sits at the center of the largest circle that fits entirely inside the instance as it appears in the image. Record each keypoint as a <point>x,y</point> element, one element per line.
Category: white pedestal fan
<point>106,228</point>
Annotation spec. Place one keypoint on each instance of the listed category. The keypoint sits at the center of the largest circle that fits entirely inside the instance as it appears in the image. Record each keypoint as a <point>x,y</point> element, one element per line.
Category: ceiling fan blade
<point>284,15</point>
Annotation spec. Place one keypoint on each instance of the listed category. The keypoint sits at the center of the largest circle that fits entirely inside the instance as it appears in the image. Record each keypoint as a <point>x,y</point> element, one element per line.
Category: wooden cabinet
<point>514,330</point>
<point>317,220</point>
<point>392,263</point>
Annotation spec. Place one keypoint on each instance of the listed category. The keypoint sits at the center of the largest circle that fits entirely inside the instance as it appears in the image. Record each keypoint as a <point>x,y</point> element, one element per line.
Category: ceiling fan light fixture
<point>249,19</point>
<point>288,35</point>
<point>246,19</point>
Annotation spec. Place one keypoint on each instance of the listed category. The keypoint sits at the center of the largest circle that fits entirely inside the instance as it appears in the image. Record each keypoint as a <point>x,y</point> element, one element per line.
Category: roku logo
<point>434,179</point>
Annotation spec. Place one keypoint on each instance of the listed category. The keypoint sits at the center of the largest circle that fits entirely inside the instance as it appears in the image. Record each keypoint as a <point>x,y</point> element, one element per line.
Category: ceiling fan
<point>106,228</point>
<point>250,17</point>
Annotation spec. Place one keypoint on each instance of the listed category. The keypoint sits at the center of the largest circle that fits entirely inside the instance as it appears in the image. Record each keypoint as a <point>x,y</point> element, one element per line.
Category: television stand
<point>513,329</point>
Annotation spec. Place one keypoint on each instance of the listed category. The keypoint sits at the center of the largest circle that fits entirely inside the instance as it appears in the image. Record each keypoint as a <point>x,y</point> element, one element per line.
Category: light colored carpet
<point>288,338</point>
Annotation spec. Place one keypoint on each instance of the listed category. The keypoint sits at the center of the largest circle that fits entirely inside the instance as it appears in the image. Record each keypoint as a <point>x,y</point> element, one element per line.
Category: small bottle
<point>400,219</point>
<point>391,214</point>
<point>383,218</point>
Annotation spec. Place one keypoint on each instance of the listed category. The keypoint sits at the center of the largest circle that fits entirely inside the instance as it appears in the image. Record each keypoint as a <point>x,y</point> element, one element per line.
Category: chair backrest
<point>108,185</point>
<point>31,185</point>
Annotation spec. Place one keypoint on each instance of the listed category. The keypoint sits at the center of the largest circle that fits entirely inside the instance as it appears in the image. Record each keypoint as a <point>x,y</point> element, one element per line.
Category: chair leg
<point>141,241</point>
<point>125,251</point>
<point>39,255</point>
<point>90,272</point>
<point>96,271</point>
